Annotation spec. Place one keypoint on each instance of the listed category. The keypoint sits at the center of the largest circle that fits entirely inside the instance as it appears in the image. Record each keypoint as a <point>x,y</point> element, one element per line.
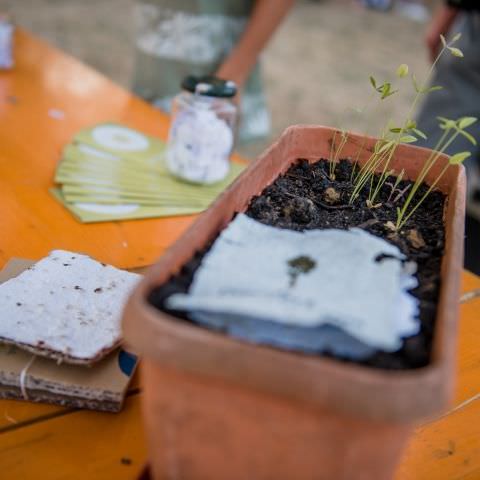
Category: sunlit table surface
<point>44,441</point>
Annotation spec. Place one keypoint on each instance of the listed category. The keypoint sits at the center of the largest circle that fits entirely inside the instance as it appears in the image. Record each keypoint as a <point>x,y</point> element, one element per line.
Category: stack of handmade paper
<point>60,332</point>
<point>111,172</point>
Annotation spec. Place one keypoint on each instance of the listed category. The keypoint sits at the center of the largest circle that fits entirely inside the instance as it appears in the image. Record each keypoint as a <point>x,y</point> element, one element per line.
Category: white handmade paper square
<point>66,306</point>
<point>348,279</point>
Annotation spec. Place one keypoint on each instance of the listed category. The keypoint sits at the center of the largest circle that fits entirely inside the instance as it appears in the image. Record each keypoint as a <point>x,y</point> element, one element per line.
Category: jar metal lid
<point>210,86</point>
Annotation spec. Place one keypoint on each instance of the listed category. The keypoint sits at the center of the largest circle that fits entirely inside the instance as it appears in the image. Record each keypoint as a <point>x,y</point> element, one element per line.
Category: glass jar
<point>202,135</point>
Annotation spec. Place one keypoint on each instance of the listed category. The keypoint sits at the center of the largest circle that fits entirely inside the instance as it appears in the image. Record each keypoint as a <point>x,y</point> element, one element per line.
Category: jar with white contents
<point>201,135</point>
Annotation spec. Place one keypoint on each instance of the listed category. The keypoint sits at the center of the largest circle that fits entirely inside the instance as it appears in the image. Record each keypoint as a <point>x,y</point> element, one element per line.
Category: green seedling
<point>392,135</point>
<point>451,130</point>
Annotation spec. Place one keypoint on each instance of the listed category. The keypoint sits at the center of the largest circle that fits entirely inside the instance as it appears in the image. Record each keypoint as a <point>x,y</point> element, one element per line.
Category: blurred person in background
<point>460,96</point>
<point>176,38</point>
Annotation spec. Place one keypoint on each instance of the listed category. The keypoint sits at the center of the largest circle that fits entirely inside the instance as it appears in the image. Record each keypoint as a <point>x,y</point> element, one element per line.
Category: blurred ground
<point>316,66</point>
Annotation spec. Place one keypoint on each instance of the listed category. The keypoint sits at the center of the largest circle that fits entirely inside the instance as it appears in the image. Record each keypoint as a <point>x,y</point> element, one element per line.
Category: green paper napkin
<point>111,172</point>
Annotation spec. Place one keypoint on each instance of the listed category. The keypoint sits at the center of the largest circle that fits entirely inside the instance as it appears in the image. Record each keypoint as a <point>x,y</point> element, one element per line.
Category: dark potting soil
<point>304,198</point>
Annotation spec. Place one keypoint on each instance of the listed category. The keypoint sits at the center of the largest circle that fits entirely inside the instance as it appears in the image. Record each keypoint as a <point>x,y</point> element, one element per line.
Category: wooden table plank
<point>449,448</point>
<point>31,221</point>
<point>83,445</point>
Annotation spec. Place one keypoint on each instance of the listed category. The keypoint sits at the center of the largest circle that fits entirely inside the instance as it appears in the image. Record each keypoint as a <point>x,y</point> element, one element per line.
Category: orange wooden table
<point>42,441</point>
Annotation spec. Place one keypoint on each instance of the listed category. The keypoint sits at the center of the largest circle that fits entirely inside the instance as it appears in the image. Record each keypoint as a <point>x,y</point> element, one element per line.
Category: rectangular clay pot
<point>219,408</point>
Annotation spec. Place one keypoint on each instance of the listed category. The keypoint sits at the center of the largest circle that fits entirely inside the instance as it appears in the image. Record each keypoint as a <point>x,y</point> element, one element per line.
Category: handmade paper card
<point>67,306</point>
<point>351,280</point>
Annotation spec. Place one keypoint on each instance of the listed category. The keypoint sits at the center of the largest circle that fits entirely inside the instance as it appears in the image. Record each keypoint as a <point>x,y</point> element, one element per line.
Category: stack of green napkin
<point>111,172</point>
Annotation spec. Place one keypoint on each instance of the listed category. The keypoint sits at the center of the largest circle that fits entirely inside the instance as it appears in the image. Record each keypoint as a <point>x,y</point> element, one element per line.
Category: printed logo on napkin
<point>348,279</point>
<point>122,142</point>
<point>67,306</point>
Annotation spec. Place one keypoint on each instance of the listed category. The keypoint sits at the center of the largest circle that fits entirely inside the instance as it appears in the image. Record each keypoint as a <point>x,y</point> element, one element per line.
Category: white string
<point>464,404</point>
<point>460,406</point>
<point>23,377</point>
<point>470,295</point>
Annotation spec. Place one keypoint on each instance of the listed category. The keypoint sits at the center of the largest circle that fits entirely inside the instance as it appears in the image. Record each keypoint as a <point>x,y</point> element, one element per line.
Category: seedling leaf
<point>444,42</point>
<point>415,84</point>
<point>434,88</point>
<point>419,133</point>
<point>402,70</point>
<point>468,136</point>
<point>385,147</point>
<point>465,122</point>
<point>373,82</point>
<point>459,158</point>
<point>388,94</point>
<point>456,52</point>
<point>446,123</point>
<point>408,139</point>
<point>456,37</point>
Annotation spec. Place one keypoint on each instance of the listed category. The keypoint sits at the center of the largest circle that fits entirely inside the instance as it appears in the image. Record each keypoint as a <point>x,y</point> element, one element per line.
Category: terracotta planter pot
<point>219,408</point>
